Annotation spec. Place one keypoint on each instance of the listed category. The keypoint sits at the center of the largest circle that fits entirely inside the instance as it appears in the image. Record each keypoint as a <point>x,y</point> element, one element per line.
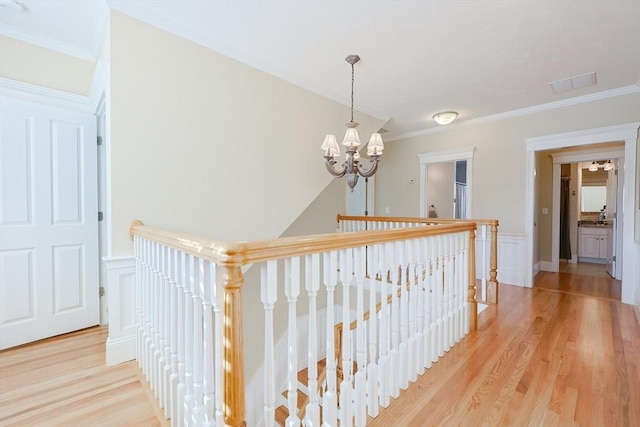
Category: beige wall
<point>28,63</point>
<point>440,185</point>
<point>544,183</point>
<point>499,163</point>
<point>201,143</point>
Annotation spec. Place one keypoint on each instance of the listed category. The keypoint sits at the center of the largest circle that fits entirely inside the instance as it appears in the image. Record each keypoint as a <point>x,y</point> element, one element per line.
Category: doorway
<point>446,183</point>
<point>623,133</point>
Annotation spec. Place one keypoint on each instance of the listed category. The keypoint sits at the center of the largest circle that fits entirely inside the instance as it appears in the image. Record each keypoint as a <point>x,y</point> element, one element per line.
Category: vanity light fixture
<point>608,165</point>
<point>593,167</point>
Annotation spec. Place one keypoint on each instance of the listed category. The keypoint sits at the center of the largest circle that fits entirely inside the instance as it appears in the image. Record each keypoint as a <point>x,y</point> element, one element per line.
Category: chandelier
<point>352,166</point>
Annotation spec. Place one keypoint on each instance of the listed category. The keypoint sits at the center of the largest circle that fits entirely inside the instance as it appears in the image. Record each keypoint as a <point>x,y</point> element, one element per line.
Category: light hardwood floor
<point>539,358</point>
<point>63,381</point>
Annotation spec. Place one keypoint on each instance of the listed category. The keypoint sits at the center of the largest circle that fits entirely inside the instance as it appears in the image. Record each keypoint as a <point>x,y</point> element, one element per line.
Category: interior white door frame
<point>586,155</point>
<point>453,155</point>
<point>627,133</point>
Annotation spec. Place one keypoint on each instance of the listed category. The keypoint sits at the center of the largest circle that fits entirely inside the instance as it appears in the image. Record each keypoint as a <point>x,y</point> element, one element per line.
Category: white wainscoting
<point>121,275</point>
<point>512,262</point>
<point>511,258</point>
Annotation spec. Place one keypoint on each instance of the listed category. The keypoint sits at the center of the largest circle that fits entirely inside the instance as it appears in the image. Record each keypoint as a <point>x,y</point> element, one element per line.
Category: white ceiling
<point>479,58</point>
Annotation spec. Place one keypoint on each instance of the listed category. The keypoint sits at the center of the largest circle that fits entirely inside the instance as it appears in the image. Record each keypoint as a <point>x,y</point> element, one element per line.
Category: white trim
<point>443,156</point>
<point>546,266</point>
<point>625,132</point>
<point>120,350</point>
<point>627,90</point>
<point>512,258</point>
<point>121,343</point>
<point>536,269</point>
<point>47,96</point>
<point>87,54</point>
<point>586,155</point>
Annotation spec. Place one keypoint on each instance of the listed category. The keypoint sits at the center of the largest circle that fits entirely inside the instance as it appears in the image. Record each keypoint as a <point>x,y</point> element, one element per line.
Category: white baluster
<point>448,284</point>
<point>413,295</point>
<point>268,296</point>
<point>312,284</point>
<point>138,298</point>
<point>394,357</point>
<point>292,290</point>
<point>360,379</point>
<point>483,231</point>
<point>182,279</point>
<point>155,383</point>
<point>436,278</point>
<point>403,364</point>
<point>372,367</point>
<point>465,295</point>
<point>383,364</point>
<point>166,331</point>
<point>440,293</point>
<point>173,320</point>
<point>208,382</point>
<point>346,390</point>
<point>188,345</point>
<point>421,267</point>
<point>329,399</point>
<point>457,303</point>
<point>197,415</point>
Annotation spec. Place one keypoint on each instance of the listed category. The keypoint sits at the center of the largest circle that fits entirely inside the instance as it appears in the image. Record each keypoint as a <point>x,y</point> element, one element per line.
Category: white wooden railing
<point>418,281</point>
<point>486,244</point>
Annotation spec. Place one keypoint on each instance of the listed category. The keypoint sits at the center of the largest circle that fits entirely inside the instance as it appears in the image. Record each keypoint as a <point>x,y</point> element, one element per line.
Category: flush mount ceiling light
<point>445,117</point>
<point>352,167</point>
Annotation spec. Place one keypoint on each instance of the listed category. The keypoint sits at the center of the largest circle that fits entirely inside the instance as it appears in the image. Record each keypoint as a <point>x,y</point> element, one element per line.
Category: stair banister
<point>190,264</point>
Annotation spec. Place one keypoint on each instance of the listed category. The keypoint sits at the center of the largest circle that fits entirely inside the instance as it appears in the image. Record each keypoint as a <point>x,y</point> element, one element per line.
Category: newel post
<point>492,287</point>
<point>473,304</point>
<point>233,353</point>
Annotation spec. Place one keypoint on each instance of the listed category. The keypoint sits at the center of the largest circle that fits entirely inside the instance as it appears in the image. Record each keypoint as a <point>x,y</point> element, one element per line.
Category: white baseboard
<point>536,269</point>
<point>546,266</point>
<point>120,350</point>
<point>121,273</point>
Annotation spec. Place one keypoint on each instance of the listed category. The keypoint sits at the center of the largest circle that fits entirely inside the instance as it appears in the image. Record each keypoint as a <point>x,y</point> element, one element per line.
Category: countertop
<point>596,224</point>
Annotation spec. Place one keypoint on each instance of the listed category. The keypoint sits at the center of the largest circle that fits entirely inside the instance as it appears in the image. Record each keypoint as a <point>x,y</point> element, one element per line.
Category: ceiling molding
<point>47,43</point>
<point>57,98</point>
<point>627,90</point>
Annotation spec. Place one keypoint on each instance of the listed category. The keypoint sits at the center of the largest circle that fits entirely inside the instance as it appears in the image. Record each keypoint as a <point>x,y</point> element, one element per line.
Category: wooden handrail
<point>243,253</point>
<point>416,219</point>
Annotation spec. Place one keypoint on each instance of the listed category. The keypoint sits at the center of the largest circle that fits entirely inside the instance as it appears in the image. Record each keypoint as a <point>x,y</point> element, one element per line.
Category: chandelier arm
<point>367,173</point>
<point>330,165</point>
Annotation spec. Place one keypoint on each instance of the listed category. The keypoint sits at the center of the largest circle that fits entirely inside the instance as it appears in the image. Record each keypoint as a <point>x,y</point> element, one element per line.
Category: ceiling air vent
<point>576,82</point>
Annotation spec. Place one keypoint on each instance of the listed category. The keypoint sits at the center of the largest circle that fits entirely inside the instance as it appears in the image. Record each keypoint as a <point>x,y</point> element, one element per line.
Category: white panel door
<point>48,222</point>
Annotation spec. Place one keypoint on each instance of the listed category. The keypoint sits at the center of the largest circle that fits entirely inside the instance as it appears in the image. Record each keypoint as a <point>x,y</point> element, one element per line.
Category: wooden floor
<point>542,357</point>
<point>584,279</point>
<point>63,381</point>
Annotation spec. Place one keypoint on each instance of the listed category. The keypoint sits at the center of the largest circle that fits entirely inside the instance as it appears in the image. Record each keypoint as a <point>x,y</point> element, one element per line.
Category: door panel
<point>48,223</point>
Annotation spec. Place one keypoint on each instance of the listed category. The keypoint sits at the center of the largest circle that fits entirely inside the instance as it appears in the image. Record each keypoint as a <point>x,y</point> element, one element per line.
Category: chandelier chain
<point>352,83</point>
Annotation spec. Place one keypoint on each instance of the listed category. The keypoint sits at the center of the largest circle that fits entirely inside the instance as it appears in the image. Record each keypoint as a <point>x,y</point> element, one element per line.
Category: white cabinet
<point>592,243</point>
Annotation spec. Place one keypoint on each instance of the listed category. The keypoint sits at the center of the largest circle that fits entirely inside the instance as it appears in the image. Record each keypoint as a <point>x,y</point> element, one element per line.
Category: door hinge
<point>99,138</point>
<point>100,216</point>
<point>614,258</point>
<point>101,291</point>
<point>615,215</point>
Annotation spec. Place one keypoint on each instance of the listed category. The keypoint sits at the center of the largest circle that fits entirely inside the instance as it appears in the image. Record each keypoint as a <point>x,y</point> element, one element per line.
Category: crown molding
<point>57,98</point>
<point>47,43</point>
<point>627,90</point>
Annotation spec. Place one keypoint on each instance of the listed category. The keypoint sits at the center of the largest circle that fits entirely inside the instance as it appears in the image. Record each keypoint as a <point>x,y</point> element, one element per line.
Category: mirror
<point>592,199</point>
<point>593,191</point>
